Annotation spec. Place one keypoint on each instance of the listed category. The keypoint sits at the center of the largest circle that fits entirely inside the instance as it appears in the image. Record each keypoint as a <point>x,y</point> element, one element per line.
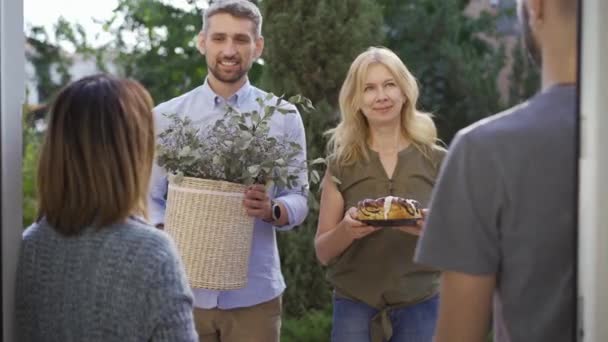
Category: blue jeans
<point>416,323</point>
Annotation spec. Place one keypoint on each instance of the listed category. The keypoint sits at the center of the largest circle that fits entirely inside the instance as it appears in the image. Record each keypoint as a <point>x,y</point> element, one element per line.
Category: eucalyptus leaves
<point>238,148</point>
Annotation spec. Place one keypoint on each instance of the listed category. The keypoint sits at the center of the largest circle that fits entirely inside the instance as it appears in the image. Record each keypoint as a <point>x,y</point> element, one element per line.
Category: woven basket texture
<point>212,231</point>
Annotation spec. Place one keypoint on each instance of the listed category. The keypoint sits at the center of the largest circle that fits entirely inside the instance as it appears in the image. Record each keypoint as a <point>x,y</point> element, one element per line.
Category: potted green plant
<point>209,169</point>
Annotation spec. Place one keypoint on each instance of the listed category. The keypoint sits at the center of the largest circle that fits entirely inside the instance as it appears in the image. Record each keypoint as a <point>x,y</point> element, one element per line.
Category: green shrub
<point>314,326</point>
<point>31,146</point>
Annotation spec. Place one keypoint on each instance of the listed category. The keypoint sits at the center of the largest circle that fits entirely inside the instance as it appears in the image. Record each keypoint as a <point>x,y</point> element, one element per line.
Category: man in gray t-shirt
<point>502,221</point>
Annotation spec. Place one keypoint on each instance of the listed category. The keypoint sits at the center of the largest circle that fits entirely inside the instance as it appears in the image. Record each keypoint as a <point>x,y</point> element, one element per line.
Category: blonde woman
<point>382,146</point>
<point>91,268</point>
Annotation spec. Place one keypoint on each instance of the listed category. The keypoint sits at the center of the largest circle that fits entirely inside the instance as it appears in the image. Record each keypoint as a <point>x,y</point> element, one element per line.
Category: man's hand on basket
<point>257,202</point>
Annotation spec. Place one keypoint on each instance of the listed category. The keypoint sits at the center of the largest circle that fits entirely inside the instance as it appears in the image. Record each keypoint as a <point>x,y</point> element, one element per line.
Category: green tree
<point>51,71</point>
<point>454,57</point>
<point>525,76</point>
<point>50,63</point>
<point>31,146</point>
<point>309,47</point>
<point>155,44</point>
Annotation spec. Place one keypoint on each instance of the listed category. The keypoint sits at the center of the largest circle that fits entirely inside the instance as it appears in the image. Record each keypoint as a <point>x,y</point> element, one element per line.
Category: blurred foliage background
<point>460,61</point>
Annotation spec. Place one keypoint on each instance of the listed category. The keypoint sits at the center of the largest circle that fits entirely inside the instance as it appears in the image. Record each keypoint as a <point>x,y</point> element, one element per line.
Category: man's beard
<point>528,37</point>
<point>227,78</point>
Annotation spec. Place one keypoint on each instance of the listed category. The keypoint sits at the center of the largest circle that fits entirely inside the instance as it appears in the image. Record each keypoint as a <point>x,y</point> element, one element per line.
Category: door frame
<point>12,96</point>
<point>593,168</point>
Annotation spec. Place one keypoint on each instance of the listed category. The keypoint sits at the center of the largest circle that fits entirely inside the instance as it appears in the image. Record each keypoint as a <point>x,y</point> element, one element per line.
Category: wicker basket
<point>212,231</point>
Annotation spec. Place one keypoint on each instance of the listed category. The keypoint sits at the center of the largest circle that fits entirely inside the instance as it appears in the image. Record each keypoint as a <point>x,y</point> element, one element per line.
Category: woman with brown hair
<point>91,268</point>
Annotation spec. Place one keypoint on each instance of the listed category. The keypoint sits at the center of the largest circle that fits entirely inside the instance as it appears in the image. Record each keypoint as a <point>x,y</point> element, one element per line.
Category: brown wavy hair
<point>96,159</point>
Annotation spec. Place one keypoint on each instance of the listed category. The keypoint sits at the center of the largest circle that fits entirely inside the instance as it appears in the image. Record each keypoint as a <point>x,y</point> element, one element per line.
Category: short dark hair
<point>97,155</point>
<point>237,8</point>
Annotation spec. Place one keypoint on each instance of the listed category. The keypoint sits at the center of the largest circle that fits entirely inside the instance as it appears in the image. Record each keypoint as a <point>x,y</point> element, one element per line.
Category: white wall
<point>12,93</point>
<point>593,190</point>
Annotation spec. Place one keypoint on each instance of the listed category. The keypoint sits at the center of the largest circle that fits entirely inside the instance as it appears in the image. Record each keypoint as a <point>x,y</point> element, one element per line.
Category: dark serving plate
<point>391,223</point>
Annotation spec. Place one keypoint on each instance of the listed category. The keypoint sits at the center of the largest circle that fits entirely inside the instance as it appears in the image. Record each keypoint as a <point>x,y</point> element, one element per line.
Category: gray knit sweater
<point>122,283</point>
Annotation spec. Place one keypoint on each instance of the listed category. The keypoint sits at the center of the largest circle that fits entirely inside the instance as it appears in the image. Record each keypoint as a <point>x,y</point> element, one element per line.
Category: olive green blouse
<point>379,269</point>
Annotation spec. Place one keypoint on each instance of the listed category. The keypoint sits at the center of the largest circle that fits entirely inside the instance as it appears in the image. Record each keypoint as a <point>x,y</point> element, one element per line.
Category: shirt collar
<point>237,99</point>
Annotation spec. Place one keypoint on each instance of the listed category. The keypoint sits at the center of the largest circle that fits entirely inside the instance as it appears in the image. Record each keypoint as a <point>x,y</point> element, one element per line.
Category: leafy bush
<point>31,146</point>
<point>314,326</point>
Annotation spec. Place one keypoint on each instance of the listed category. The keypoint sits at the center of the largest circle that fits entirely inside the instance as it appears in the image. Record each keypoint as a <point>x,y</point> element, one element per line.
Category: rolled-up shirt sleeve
<point>295,199</point>
<point>157,191</point>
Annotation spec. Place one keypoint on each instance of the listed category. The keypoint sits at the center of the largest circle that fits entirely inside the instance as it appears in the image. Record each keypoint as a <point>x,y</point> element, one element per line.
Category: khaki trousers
<point>258,323</point>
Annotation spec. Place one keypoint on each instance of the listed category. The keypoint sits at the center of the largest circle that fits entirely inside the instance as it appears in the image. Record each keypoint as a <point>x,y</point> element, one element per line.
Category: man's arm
<point>158,187</point>
<point>157,191</point>
<point>465,307</point>
<point>157,196</point>
<point>294,202</point>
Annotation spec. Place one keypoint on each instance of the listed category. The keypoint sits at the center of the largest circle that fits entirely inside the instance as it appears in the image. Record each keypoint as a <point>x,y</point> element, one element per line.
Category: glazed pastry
<point>388,208</point>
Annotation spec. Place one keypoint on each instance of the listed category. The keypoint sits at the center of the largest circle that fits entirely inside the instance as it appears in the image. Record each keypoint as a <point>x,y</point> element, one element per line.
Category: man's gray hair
<point>242,9</point>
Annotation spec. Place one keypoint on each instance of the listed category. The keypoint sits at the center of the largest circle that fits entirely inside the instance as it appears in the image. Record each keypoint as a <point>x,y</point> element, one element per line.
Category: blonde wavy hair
<point>348,141</point>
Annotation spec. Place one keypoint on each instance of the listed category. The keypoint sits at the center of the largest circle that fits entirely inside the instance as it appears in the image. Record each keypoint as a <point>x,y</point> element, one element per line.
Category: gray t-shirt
<point>505,204</point>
